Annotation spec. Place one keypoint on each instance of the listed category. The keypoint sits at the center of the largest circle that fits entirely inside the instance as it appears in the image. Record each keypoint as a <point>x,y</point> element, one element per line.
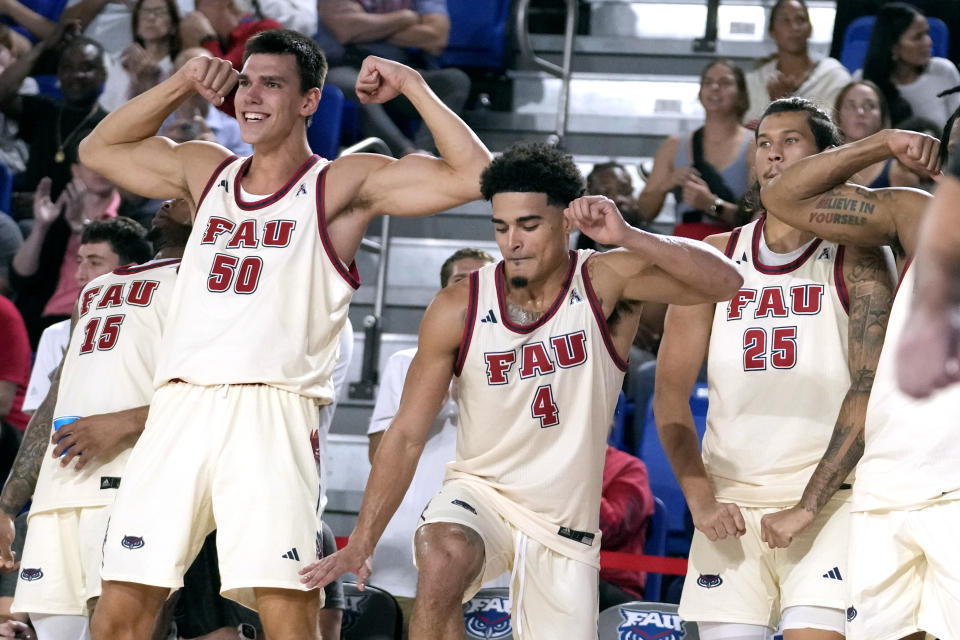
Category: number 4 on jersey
<point>544,408</point>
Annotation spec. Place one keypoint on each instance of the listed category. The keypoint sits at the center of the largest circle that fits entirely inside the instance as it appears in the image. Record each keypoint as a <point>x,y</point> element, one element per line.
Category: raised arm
<point>23,15</point>
<point>686,336</point>
<point>350,23</point>
<point>652,267</point>
<point>124,147</point>
<point>813,195</point>
<point>424,392</point>
<point>871,295</point>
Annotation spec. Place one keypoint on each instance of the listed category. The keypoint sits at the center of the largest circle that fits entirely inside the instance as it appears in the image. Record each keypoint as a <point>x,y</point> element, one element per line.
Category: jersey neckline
<point>499,274</point>
<point>783,268</point>
<point>274,197</point>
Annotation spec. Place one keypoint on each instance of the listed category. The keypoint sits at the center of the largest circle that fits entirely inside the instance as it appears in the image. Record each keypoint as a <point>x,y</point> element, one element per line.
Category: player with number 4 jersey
<point>790,363</point>
<point>538,345</point>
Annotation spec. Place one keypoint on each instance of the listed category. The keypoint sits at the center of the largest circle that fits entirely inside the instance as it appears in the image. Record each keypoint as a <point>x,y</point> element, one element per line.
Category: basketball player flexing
<point>903,577</point>
<point>253,333</point>
<point>785,365</point>
<point>107,379</point>
<point>538,345</point>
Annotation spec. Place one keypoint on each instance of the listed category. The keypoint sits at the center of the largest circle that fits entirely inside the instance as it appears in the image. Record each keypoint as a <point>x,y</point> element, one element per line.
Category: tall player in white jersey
<point>785,368</point>
<point>97,409</point>
<point>903,563</point>
<point>538,344</point>
<point>253,335</point>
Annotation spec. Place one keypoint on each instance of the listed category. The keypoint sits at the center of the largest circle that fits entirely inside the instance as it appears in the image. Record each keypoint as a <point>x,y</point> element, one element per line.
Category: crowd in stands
<point>65,64</point>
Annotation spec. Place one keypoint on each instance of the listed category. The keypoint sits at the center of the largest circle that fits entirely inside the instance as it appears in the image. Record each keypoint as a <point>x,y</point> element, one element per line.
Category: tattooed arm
<point>812,194</point>
<point>871,294</point>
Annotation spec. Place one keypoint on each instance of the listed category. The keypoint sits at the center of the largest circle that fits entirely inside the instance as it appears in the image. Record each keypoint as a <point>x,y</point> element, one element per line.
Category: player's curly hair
<point>534,168</point>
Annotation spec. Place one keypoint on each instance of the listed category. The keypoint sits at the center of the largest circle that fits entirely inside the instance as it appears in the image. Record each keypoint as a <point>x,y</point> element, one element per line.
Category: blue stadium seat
<point>617,433</point>
<point>371,614</point>
<point>636,620</point>
<point>662,481</point>
<point>856,39</point>
<point>656,545</point>
<point>478,33</point>
<point>6,187</point>
<point>323,134</point>
<point>49,85</point>
<point>487,614</point>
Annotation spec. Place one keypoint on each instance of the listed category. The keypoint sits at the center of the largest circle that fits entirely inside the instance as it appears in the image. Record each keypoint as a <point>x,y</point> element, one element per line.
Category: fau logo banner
<point>647,625</point>
<point>772,302</point>
<point>487,618</point>
<point>568,350</point>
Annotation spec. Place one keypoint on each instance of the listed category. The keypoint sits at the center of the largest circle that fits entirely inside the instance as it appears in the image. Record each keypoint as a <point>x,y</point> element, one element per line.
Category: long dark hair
<point>743,102</point>
<point>173,40</point>
<point>893,20</point>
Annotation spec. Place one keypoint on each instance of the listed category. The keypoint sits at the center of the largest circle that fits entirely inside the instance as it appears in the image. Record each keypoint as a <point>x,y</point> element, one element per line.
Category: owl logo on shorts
<point>709,580</point>
<point>353,611</point>
<point>31,574</point>
<point>646,624</point>
<point>851,614</point>
<point>487,618</point>
<point>132,542</point>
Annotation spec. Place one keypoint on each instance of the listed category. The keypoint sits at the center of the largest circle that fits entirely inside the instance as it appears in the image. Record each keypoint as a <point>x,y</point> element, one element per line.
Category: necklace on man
<point>60,156</point>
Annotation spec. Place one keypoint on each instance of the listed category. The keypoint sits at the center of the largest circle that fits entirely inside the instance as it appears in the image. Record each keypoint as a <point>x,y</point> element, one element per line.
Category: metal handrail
<point>373,322</point>
<point>561,71</point>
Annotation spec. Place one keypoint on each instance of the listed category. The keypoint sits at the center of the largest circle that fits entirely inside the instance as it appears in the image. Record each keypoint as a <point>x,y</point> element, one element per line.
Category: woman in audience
<point>861,111</point>
<point>792,71</point>
<point>708,171</point>
<point>149,58</point>
<point>899,60</point>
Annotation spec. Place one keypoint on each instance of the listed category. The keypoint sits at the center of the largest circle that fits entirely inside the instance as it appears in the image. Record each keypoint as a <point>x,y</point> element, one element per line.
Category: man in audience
<point>611,179</point>
<point>413,32</point>
<point>393,567</point>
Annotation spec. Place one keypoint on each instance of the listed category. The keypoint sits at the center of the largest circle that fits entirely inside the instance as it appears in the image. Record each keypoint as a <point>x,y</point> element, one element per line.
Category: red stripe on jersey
<point>732,242</point>
<point>213,178</point>
<point>140,268</point>
<point>468,324</point>
<point>838,280</point>
<point>351,275</point>
<point>785,268</point>
<point>267,201</point>
<point>903,274</point>
<point>597,309</point>
<point>501,298</point>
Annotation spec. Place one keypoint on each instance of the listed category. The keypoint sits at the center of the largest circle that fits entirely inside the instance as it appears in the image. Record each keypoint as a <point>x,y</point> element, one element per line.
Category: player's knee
<point>449,552</point>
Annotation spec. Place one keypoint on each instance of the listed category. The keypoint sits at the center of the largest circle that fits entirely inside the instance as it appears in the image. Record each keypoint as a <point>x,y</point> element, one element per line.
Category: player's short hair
<point>311,63</point>
<point>825,132</point>
<point>461,254</point>
<point>127,238</point>
<point>534,168</point>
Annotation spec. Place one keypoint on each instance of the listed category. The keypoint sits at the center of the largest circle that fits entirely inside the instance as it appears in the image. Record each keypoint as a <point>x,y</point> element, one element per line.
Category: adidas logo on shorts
<point>833,574</point>
<point>291,555</point>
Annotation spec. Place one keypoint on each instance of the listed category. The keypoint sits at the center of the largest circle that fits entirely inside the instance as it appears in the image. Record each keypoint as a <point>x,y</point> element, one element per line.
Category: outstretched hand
<point>381,80</point>
<point>599,218</point>
<point>917,151</point>
<point>212,78</point>
<point>347,560</point>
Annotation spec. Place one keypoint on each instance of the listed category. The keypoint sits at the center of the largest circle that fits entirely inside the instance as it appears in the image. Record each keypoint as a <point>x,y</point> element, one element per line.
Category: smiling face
<point>790,27</point>
<point>81,72</point>
<point>718,89</point>
<point>915,46</point>
<point>782,139</point>
<point>269,104</point>
<point>860,114</point>
<point>532,236</point>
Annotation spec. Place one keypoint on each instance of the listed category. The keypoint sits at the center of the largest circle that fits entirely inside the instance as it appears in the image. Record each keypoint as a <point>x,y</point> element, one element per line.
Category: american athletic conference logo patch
<point>132,542</point>
<point>649,624</point>
<point>709,580</point>
<point>31,574</point>
<point>487,618</point>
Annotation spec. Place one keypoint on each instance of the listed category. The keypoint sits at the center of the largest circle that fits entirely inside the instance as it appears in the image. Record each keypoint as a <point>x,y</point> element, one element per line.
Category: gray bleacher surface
<point>635,80</point>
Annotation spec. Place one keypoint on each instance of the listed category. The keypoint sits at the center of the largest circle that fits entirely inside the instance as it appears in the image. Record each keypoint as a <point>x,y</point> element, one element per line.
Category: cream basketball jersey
<point>536,404</point>
<point>911,446</point>
<point>262,296</point>
<point>108,366</point>
<point>777,371</point>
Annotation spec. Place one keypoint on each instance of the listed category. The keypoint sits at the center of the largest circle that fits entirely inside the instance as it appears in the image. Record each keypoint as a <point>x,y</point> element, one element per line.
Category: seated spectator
<point>14,374</point>
<point>109,22</point>
<point>52,128</point>
<point>611,179</point>
<point>46,273</point>
<point>899,60</point>
<point>413,32</point>
<point>149,58</point>
<point>710,170</point>
<point>13,150</point>
<point>792,71</point>
<point>10,241</point>
<point>626,506</point>
<point>222,27</point>
<point>297,15</point>
<point>393,568</point>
